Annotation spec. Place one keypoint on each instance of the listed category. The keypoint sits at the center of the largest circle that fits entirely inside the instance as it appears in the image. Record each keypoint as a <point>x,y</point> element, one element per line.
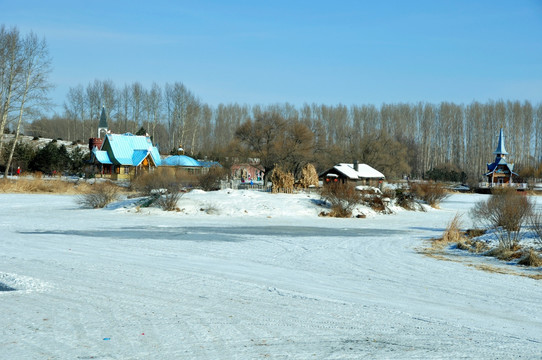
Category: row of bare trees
<point>24,68</point>
<point>405,139</point>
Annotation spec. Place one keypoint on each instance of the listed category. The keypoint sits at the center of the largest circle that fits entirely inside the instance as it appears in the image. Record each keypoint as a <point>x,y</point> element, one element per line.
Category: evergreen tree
<point>51,159</point>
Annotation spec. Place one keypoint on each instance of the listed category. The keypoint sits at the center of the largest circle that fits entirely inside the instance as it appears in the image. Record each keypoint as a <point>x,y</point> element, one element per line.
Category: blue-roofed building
<point>184,163</point>
<point>500,172</point>
<point>123,156</point>
<point>181,160</point>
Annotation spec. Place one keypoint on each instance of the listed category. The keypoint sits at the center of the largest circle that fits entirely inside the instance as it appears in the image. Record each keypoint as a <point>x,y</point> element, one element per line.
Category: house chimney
<point>356,165</point>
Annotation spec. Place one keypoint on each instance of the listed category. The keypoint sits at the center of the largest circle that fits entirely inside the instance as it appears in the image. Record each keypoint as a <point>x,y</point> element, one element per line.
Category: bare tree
<point>75,109</point>
<point>34,87</point>
<point>137,96</point>
<point>11,59</point>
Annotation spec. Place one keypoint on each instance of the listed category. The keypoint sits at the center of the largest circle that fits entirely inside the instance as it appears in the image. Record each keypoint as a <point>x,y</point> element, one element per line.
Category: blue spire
<point>500,146</point>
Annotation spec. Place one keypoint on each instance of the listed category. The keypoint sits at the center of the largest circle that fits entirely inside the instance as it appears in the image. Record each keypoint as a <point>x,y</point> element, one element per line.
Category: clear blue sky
<point>268,51</point>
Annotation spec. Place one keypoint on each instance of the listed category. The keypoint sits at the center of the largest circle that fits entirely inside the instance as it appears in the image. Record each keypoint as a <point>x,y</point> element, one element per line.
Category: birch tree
<point>36,67</point>
<point>10,69</point>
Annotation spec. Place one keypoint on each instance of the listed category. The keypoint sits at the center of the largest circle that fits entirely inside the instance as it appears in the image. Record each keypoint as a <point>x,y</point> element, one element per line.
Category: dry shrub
<point>210,181</point>
<point>505,208</point>
<point>163,178</point>
<point>341,197</point>
<point>100,195</point>
<point>389,193</point>
<point>506,211</point>
<point>168,200</point>
<point>374,201</point>
<point>309,176</point>
<point>530,258</point>
<point>282,180</point>
<point>163,186</point>
<point>430,192</point>
<point>406,200</point>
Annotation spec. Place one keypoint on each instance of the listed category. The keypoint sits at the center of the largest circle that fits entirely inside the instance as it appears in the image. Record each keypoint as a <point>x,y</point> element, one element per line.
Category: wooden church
<point>500,172</point>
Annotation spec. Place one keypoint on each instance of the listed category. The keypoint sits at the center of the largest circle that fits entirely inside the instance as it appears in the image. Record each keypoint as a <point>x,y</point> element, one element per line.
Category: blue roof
<point>127,149</point>
<point>500,146</point>
<point>209,164</point>
<point>101,156</point>
<point>180,160</point>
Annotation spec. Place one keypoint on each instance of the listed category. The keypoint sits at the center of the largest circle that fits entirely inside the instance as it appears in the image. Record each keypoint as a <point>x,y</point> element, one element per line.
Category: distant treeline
<point>421,137</point>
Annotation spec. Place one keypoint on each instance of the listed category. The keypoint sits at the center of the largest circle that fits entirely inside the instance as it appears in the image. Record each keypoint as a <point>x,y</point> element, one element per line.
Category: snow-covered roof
<point>347,170</point>
<point>366,171</point>
<point>363,171</point>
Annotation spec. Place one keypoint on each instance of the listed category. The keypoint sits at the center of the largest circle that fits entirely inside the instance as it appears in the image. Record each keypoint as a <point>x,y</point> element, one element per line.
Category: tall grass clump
<point>99,195</point>
<point>506,211</point>
<point>342,198</point>
<point>453,233</point>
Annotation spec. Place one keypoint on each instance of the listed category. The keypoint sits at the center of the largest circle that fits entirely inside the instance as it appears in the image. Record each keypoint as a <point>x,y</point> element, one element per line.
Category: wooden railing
<point>487,185</point>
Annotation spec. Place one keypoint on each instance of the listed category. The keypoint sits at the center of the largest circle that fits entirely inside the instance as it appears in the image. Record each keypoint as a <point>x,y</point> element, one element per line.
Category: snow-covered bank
<point>252,275</point>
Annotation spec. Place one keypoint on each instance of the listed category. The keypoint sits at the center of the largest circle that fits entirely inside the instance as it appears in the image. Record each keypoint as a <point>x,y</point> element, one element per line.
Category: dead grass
<point>466,241</point>
<point>453,232</point>
<point>530,258</point>
<point>41,186</point>
<point>503,253</point>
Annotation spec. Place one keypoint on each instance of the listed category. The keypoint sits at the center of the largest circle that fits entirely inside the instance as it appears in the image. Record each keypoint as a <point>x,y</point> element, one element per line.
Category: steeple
<point>103,122</point>
<point>500,151</point>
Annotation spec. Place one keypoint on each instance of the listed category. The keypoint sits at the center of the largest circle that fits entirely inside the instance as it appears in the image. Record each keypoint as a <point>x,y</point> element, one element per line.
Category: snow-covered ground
<point>248,275</point>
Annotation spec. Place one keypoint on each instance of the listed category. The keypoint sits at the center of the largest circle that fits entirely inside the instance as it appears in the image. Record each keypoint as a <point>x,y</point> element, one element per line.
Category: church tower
<point>102,126</point>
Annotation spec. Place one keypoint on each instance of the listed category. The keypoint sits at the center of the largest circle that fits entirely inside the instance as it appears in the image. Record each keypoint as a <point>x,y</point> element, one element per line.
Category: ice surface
<point>260,276</point>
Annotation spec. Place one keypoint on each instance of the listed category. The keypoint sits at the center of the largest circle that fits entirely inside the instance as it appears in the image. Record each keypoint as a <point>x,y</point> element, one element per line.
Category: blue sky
<point>263,52</point>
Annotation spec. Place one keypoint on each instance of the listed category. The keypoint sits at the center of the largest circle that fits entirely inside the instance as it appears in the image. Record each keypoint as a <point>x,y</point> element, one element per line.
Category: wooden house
<point>359,174</point>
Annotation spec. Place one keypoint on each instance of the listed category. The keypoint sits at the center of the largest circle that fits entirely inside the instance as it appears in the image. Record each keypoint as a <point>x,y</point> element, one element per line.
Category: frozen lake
<point>252,282</point>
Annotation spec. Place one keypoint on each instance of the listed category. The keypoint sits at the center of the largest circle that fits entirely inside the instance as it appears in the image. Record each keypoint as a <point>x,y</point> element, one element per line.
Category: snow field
<point>263,277</point>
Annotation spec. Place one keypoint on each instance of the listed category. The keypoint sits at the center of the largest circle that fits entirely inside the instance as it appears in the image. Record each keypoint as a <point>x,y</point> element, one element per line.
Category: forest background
<point>400,139</point>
